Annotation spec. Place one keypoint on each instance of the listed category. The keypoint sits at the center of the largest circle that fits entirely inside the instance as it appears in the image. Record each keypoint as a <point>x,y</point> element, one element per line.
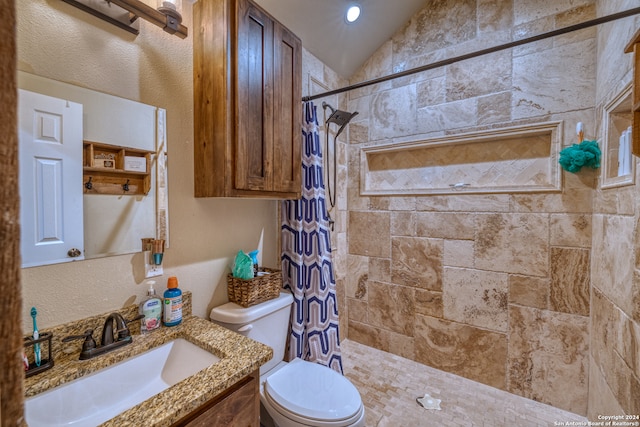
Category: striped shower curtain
<point>307,269</point>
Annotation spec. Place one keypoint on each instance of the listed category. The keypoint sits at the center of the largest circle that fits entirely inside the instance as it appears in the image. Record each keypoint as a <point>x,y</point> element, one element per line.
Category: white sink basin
<point>96,398</point>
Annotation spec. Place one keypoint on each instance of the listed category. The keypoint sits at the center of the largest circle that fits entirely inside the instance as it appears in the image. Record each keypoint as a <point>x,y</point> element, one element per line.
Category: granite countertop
<point>239,357</point>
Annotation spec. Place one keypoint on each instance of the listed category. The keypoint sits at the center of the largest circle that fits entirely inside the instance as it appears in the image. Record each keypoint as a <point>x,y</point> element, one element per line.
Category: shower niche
<point>618,162</point>
<point>514,159</point>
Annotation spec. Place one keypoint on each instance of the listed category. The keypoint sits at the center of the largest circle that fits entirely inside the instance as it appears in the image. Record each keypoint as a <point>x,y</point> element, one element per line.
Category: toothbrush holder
<point>157,251</point>
<point>45,341</point>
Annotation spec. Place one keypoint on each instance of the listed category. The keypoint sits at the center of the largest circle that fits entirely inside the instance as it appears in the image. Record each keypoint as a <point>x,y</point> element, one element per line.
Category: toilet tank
<point>267,322</point>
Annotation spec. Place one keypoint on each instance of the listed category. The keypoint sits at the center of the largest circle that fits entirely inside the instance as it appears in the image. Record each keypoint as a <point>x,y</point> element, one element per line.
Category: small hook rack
<point>117,171</point>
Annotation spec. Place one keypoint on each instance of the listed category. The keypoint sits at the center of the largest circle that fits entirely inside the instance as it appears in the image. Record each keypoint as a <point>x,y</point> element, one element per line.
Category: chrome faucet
<point>108,342</point>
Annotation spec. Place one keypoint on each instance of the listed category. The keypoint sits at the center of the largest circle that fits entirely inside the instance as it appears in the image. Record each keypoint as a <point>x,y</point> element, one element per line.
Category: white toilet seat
<point>356,420</point>
<point>312,395</point>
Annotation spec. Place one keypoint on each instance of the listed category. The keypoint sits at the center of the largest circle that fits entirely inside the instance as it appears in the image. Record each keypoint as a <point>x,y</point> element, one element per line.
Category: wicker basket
<point>248,292</point>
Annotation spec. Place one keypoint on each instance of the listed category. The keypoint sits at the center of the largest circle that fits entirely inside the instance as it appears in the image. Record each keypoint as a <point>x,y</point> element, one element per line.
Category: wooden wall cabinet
<point>248,112</point>
<point>237,406</point>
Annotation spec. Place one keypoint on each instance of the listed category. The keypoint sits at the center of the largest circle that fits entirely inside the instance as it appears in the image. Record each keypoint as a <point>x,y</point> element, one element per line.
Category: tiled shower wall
<point>493,287</point>
<point>614,374</point>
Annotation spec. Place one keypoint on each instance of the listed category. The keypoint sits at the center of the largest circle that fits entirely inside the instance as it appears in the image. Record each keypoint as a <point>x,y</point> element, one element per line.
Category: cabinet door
<point>287,131</point>
<point>237,407</point>
<point>254,114</point>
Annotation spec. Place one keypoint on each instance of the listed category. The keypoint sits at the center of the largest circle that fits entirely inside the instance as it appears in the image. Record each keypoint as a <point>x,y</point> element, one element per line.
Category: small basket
<point>248,292</point>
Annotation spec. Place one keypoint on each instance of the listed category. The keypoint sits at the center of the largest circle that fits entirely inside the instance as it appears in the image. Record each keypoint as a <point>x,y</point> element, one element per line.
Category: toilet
<point>297,393</point>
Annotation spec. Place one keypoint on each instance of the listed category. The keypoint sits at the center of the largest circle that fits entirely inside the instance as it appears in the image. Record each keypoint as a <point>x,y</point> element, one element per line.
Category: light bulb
<point>353,13</point>
<point>168,4</point>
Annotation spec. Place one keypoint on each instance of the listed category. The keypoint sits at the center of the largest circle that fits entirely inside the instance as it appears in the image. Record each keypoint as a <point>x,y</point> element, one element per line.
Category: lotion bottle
<point>151,308</point>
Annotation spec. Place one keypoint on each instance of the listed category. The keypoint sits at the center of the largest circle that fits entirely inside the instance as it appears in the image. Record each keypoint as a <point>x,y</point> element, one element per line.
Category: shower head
<point>339,117</point>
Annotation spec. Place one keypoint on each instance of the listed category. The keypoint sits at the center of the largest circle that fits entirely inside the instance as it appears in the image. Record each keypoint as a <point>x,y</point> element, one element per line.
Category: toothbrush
<point>36,335</point>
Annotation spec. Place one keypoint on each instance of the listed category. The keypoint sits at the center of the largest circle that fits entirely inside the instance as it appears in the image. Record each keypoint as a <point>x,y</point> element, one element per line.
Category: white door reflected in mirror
<point>50,135</point>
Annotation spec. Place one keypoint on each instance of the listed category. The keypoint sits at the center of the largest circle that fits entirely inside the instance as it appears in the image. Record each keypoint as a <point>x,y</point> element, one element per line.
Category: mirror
<point>114,224</point>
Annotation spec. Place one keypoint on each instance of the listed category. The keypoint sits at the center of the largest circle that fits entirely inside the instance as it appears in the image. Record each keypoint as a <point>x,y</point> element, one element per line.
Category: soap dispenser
<point>151,309</point>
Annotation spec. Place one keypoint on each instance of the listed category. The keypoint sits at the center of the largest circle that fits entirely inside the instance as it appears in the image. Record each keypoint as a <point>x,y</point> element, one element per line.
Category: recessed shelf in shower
<point>515,159</point>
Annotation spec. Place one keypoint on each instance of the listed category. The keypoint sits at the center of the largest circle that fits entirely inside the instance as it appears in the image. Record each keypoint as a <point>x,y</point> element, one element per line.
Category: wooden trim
<point>635,39</point>
<point>213,97</point>
<point>11,372</point>
<point>150,14</point>
<point>102,13</point>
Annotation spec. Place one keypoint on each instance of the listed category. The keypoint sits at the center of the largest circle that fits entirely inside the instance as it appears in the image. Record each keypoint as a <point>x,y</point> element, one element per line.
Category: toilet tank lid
<point>237,315</point>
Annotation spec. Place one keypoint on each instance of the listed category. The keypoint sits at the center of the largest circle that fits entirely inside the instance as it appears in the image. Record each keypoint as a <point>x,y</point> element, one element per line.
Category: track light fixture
<point>124,14</point>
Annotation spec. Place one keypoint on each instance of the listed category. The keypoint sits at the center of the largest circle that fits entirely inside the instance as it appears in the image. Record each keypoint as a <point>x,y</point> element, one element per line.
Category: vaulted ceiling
<point>325,33</point>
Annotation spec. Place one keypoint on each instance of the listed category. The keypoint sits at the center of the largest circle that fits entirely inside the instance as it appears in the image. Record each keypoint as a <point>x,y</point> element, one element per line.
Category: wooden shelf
<point>107,169</point>
<point>113,171</point>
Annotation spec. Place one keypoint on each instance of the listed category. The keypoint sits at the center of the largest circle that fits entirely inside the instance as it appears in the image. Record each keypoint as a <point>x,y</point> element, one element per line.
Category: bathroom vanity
<point>225,393</point>
<point>237,406</point>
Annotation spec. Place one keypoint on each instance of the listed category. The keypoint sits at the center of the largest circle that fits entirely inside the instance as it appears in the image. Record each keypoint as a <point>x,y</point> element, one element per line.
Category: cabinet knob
<point>74,252</point>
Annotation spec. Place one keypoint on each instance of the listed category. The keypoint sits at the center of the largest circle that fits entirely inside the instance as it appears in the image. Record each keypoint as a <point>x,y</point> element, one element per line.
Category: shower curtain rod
<point>542,36</point>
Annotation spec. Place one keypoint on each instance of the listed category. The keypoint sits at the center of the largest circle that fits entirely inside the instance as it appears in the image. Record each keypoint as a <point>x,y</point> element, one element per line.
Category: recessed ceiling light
<point>353,13</point>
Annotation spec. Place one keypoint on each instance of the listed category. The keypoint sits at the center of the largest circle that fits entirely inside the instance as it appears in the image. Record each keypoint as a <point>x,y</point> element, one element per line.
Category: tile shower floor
<point>390,384</point>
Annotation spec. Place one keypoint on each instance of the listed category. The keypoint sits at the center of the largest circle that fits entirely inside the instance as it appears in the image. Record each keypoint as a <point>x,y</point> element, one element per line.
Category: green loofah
<point>587,153</point>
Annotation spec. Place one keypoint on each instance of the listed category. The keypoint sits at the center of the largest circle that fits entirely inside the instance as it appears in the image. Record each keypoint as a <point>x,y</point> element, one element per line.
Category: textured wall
<point>492,287</point>
<point>58,41</point>
<point>614,379</point>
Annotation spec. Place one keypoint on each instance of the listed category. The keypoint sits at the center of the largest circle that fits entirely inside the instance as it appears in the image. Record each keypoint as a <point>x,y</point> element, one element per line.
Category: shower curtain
<point>307,269</point>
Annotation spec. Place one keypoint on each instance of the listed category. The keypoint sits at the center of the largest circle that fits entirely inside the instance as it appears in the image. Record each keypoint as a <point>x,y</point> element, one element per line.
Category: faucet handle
<point>88,344</point>
<point>138,317</point>
<point>123,331</point>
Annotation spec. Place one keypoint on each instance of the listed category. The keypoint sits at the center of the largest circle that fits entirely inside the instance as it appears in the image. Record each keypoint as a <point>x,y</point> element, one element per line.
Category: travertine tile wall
<point>614,374</point>
<point>493,287</point>
<point>498,288</point>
